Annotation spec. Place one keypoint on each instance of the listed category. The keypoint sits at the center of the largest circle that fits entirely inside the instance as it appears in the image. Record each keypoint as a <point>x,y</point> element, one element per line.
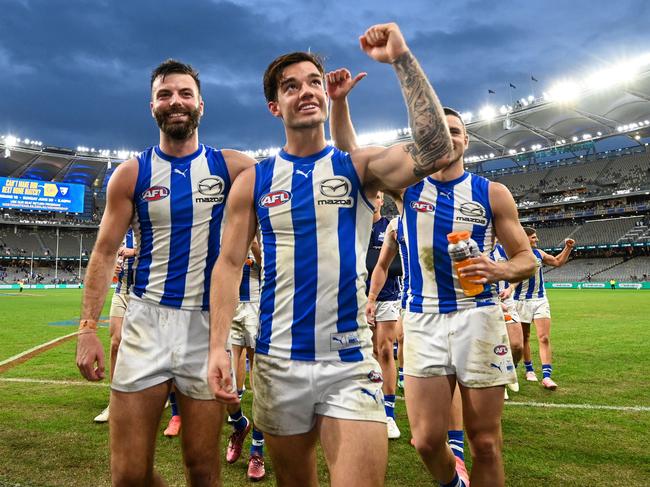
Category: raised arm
<point>114,224</point>
<point>224,285</point>
<point>401,165</point>
<point>521,261</point>
<point>339,83</point>
<point>561,258</point>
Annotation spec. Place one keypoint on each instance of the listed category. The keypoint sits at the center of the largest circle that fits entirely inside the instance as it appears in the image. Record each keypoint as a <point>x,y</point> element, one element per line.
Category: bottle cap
<point>455,237</point>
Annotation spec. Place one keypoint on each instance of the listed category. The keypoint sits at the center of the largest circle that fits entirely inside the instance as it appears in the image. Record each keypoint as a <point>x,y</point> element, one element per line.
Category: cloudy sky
<point>76,72</point>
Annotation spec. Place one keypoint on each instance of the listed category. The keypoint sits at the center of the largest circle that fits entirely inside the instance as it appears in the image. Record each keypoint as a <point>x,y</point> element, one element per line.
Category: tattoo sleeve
<point>431,140</point>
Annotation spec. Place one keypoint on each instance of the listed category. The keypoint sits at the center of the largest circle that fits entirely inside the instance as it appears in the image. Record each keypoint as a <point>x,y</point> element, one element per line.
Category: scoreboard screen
<point>25,194</point>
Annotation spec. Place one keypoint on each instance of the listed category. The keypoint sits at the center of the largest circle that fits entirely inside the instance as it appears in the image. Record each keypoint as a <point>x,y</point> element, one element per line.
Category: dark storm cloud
<point>76,72</point>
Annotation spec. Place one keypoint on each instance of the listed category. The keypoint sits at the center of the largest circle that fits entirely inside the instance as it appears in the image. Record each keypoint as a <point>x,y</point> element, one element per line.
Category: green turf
<point>600,340</point>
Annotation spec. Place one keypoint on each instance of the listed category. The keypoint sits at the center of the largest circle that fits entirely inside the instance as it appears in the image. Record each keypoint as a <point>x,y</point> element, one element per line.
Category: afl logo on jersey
<point>423,206</point>
<point>212,188</point>
<point>275,198</point>
<point>155,193</point>
<point>335,191</point>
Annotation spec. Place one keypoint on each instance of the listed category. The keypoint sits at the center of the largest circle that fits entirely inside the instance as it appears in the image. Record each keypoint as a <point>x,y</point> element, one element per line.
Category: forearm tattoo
<point>431,139</point>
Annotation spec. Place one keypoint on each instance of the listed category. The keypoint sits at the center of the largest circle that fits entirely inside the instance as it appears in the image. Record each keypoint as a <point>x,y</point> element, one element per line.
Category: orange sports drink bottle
<point>461,249</point>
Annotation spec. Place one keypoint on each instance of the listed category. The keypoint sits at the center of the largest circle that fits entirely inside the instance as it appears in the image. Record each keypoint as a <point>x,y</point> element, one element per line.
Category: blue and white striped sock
<point>547,370</point>
<point>239,421</point>
<point>257,443</point>
<point>457,443</point>
<point>529,366</point>
<point>389,405</point>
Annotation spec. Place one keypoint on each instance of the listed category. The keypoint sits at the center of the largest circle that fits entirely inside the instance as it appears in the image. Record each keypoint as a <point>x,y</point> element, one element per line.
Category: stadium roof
<point>572,112</point>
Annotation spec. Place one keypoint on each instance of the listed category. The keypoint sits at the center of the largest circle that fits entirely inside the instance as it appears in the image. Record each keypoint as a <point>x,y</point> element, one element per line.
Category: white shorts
<point>290,393</point>
<point>119,302</point>
<point>387,311</point>
<point>471,344</point>
<point>511,307</point>
<point>161,343</point>
<point>530,309</point>
<point>245,324</point>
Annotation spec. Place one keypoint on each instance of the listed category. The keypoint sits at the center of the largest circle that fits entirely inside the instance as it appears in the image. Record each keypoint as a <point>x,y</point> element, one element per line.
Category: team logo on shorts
<point>274,198</point>
<point>472,212</point>
<point>155,193</point>
<point>375,377</point>
<point>501,350</point>
<point>212,188</point>
<point>422,206</point>
<point>335,191</point>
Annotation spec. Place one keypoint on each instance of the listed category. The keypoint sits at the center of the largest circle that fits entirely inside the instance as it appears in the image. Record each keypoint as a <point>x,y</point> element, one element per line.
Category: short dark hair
<point>451,111</point>
<point>530,231</point>
<point>172,66</point>
<point>274,71</point>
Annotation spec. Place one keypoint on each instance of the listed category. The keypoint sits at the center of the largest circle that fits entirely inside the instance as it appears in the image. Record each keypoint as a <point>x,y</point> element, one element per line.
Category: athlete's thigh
<point>428,404</point>
<point>543,326</point>
<point>515,334</point>
<point>354,450</point>
<point>386,331</point>
<point>294,458</point>
<point>134,421</point>
<point>202,421</point>
<point>482,409</point>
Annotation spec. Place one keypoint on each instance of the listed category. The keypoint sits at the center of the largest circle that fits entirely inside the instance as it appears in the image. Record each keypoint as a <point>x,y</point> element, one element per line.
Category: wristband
<point>90,325</point>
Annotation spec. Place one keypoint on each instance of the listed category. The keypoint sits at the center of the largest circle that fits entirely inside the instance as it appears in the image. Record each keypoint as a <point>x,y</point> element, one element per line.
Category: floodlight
<point>564,91</point>
<point>487,112</point>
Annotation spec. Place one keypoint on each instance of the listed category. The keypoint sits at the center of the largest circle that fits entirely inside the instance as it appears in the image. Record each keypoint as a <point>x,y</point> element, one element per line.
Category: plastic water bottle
<point>461,249</point>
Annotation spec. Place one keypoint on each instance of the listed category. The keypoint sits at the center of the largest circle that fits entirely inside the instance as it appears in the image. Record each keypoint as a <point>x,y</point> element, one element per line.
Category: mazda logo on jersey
<point>155,193</point>
<point>336,191</point>
<point>472,208</point>
<point>335,187</point>
<point>212,189</point>
<point>423,206</point>
<point>275,198</point>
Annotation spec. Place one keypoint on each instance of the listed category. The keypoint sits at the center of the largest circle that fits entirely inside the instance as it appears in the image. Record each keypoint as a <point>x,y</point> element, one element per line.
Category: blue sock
<point>400,373</point>
<point>257,445</point>
<point>457,443</point>
<point>240,393</point>
<point>455,482</point>
<point>395,350</point>
<point>172,403</point>
<point>389,405</point>
<point>529,366</point>
<point>547,370</point>
<point>239,421</point>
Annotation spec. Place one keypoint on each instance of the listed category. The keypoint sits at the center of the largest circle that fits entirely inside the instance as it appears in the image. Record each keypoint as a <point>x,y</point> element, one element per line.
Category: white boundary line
<point>34,349</point>
<point>580,406</point>
<point>637,409</point>
<point>54,382</point>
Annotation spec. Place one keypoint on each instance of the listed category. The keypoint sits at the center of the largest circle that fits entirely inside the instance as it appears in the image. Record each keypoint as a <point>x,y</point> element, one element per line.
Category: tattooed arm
<point>401,165</point>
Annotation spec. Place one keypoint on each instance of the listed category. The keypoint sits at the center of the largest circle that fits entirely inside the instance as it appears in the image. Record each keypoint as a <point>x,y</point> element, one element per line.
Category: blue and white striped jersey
<point>249,288</point>
<point>532,288</point>
<point>498,254</point>
<point>403,252</point>
<point>315,226</point>
<point>179,212</point>
<point>433,209</point>
<point>125,277</point>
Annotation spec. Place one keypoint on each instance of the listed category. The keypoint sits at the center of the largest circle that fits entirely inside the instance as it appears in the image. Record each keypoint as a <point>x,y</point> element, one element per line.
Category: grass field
<point>594,430</point>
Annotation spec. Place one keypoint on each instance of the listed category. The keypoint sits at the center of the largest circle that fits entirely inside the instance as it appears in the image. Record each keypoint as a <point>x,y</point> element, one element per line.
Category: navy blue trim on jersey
<point>347,296</point>
<point>308,160</point>
<point>146,234</point>
<point>405,260</point>
<point>245,284</point>
<point>178,160</point>
<point>415,277</point>
<point>217,167</point>
<point>303,219</point>
<point>263,179</point>
<point>346,161</point>
<point>443,224</point>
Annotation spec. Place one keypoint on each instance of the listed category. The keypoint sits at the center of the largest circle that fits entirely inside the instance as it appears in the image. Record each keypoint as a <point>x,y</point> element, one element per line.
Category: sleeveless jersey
<point>179,212</point>
<point>315,226</point>
<point>533,287</point>
<point>403,252</point>
<point>498,254</point>
<point>433,209</point>
<point>125,277</point>
<point>249,288</point>
<point>390,291</point>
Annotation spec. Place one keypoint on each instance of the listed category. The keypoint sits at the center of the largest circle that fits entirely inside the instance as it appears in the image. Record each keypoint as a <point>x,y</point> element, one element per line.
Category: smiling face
<point>301,99</point>
<point>176,105</point>
<point>459,138</point>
